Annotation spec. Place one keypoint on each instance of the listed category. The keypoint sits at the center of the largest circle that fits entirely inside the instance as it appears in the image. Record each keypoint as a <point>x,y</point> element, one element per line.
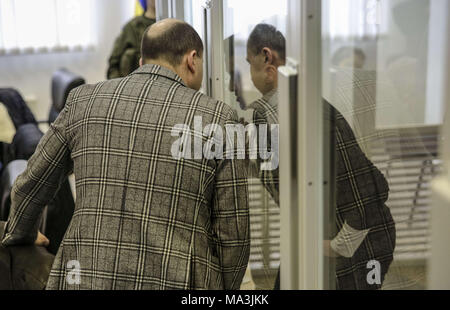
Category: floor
<point>406,276</point>
<point>401,276</point>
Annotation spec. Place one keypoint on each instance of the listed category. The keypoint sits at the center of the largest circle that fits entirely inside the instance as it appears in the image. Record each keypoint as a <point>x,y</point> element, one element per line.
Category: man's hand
<point>41,240</point>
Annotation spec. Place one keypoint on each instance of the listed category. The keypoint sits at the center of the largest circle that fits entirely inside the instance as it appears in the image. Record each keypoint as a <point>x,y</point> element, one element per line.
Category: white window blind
<point>28,26</point>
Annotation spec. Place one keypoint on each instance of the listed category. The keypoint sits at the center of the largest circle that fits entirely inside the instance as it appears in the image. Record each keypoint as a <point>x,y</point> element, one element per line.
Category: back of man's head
<point>169,40</point>
<point>265,35</point>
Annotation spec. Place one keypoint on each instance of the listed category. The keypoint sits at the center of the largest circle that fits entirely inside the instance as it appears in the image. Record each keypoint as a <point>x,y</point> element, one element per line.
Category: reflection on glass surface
<point>382,84</point>
<point>377,59</point>
<point>251,61</point>
<point>194,14</point>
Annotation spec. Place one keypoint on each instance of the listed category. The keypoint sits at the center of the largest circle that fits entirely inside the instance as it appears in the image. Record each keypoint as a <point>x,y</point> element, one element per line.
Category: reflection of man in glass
<point>265,53</point>
<point>365,225</point>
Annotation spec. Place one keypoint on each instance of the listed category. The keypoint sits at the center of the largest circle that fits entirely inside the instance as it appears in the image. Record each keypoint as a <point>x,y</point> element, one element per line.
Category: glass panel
<point>383,78</point>
<point>194,14</point>
<point>251,89</point>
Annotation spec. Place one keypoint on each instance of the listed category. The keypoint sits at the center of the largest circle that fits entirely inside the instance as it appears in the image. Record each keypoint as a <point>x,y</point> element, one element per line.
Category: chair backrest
<point>10,174</point>
<point>17,109</point>
<point>63,81</point>
<point>26,141</point>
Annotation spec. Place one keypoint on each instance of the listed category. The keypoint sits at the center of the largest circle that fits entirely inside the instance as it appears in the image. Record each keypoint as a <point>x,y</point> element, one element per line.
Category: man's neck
<point>270,90</point>
<point>166,65</point>
<point>151,14</point>
<point>160,63</point>
<point>268,95</point>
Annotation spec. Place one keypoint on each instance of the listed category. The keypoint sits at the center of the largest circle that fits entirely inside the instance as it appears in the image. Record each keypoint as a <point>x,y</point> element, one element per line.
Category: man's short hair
<point>265,35</point>
<point>172,44</point>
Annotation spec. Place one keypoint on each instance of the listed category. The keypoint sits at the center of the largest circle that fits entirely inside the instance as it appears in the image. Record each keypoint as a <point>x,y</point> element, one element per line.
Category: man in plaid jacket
<point>366,229</point>
<point>143,219</point>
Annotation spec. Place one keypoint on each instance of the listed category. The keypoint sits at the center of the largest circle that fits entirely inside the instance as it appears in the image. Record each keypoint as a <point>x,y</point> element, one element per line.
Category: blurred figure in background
<point>265,53</point>
<point>126,53</point>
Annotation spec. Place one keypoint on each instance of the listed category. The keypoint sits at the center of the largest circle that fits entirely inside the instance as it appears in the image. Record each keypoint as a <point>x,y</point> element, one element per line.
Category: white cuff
<point>348,240</point>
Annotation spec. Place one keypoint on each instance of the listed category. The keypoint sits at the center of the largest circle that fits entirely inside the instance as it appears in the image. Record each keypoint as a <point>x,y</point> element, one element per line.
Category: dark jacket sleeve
<point>361,188</point>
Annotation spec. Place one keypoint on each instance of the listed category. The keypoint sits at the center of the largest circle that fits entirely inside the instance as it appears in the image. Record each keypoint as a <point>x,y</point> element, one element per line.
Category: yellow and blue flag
<point>141,7</point>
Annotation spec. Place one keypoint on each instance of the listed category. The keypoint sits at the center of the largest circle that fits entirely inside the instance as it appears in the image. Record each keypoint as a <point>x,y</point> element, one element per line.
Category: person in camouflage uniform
<point>126,53</point>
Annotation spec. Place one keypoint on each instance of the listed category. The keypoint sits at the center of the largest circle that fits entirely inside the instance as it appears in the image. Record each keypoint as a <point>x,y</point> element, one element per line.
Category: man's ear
<point>268,56</point>
<point>192,61</point>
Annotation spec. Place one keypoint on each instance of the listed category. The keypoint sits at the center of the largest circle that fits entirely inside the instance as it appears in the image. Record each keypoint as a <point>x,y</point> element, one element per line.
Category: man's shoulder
<point>212,106</point>
<point>86,89</point>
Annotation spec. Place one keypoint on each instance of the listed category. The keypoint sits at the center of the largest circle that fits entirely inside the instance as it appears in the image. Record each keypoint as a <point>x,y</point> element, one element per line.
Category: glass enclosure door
<point>253,35</point>
<point>232,75</point>
<point>383,71</point>
<point>381,94</point>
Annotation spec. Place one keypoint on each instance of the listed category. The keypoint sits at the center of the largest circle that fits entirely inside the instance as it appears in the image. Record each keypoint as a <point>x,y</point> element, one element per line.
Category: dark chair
<point>10,174</point>
<point>12,171</point>
<point>56,216</point>
<point>24,267</point>
<point>59,211</point>
<point>25,141</point>
<point>17,108</point>
<point>63,81</point>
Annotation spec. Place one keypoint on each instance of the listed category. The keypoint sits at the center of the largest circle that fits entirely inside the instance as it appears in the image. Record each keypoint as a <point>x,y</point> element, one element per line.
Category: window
<point>29,26</point>
<point>350,19</point>
<point>243,16</point>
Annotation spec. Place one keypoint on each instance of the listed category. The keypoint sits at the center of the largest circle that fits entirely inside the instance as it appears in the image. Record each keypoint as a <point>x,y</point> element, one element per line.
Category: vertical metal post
<point>170,9</point>
<point>216,64</point>
<point>302,220</point>
<point>439,270</point>
<point>177,9</point>
<point>311,155</point>
<point>289,215</point>
<point>206,53</point>
<point>162,9</point>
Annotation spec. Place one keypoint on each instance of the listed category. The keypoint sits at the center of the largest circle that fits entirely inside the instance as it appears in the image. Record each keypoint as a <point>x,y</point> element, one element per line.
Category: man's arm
<point>36,187</point>
<point>269,178</point>
<point>231,220</point>
<point>362,191</point>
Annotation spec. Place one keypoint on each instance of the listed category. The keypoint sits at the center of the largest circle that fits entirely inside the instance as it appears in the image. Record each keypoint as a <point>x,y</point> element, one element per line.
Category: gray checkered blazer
<point>143,220</point>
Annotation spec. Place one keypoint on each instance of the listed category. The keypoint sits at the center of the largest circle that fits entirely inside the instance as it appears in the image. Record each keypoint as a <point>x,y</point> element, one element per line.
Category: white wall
<point>31,74</point>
